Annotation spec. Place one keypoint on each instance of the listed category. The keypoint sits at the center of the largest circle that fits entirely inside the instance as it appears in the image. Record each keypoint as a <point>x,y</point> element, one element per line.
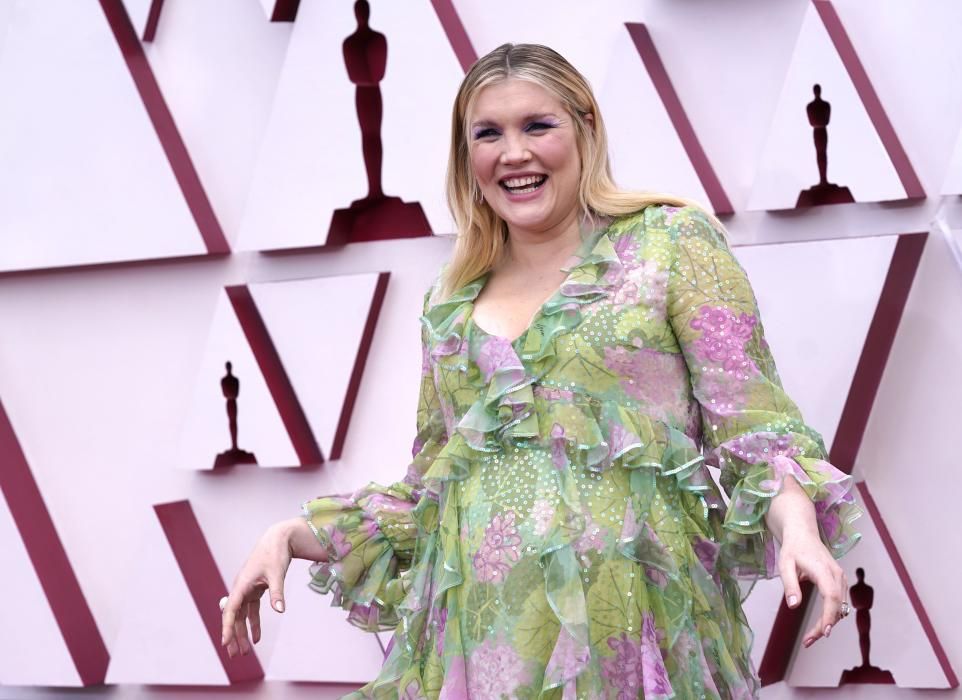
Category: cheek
<point>483,162</point>
<point>561,156</point>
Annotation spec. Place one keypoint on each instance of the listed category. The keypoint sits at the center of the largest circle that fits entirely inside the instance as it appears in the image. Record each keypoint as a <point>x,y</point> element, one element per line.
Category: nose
<point>514,150</point>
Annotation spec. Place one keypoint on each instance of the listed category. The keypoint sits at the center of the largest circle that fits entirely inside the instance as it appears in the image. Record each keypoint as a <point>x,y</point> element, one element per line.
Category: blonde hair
<point>482,234</point>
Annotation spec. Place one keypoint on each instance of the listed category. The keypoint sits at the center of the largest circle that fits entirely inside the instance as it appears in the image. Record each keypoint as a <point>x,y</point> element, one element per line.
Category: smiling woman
<point>587,354</point>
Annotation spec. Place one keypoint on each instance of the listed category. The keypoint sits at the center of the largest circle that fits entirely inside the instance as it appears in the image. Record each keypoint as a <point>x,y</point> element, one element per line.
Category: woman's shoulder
<point>672,219</point>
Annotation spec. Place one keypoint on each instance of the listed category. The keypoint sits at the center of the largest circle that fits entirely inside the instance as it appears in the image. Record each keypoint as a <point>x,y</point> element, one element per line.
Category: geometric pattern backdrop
<point>171,177</point>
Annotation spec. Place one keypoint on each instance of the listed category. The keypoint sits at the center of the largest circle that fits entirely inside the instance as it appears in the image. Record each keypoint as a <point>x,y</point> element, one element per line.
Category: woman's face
<point>524,155</point>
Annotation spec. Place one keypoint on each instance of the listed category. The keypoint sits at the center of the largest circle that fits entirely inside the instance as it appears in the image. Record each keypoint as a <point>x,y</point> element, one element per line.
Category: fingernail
<point>828,630</point>
<point>279,605</point>
<point>792,600</point>
<point>223,640</point>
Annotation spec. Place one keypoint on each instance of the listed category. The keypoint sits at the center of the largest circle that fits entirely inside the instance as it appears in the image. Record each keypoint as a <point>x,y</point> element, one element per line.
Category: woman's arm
<point>302,543</point>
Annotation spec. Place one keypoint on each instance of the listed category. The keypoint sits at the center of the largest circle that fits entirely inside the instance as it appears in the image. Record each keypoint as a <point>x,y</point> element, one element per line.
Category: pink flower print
<point>549,393</point>
<point>655,675</point>
<point>495,669</point>
<point>455,682</point>
<point>559,456</point>
<point>342,547</point>
<point>495,352</point>
<point>723,339</point>
<point>669,213</point>
<point>719,393</point>
<point>542,513</point>
<point>646,374</point>
<point>656,576</point>
<point>765,447</point>
<point>426,370</point>
<point>592,538</point>
<point>626,246</point>
<point>707,552</point>
<point>620,440</point>
<point>624,671</point>
<point>440,616</point>
<point>499,549</point>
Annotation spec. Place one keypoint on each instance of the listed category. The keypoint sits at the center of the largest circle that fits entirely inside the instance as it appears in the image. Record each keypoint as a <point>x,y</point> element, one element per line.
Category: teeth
<point>523,181</point>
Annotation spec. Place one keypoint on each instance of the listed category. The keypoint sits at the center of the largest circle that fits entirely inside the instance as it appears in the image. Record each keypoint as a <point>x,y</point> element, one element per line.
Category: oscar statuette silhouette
<point>230,387</point>
<point>825,192</point>
<point>862,596</point>
<point>376,216</point>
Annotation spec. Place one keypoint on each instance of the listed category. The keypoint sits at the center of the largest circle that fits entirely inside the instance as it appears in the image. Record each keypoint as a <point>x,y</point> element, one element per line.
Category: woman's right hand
<point>264,569</point>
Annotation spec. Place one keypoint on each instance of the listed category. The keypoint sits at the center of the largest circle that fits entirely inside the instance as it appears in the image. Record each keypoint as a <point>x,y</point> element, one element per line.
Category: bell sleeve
<point>370,535</point>
<point>752,431</point>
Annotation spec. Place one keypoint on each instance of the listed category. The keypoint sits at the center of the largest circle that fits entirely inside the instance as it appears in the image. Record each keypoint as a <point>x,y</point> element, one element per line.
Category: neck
<point>528,248</point>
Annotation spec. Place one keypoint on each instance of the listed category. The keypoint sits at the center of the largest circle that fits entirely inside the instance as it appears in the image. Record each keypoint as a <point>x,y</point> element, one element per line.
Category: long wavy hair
<point>481,234</point>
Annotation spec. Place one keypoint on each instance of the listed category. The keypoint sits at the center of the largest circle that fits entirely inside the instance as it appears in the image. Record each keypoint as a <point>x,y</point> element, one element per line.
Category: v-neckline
<point>583,250</point>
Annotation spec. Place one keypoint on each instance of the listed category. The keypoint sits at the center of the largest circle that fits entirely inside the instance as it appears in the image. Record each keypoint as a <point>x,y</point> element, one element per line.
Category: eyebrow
<point>527,117</point>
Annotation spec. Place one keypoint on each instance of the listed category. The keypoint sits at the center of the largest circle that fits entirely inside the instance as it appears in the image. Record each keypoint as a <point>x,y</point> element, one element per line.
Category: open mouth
<point>523,185</point>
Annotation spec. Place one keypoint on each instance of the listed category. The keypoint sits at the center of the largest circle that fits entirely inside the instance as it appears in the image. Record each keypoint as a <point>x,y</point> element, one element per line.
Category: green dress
<point>558,533</point>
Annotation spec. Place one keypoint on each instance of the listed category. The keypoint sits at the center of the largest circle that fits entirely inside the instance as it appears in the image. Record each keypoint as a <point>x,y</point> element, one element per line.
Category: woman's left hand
<point>803,556</point>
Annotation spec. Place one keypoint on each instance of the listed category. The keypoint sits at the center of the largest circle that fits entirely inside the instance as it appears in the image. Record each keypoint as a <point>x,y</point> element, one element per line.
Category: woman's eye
<point>538,126</point>
<point>484,133</point>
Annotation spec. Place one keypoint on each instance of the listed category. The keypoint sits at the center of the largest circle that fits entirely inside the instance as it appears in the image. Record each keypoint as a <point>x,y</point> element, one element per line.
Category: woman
<point>558,530</point>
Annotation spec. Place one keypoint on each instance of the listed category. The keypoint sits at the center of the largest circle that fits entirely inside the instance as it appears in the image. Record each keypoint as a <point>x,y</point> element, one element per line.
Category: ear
<point>589,120</point>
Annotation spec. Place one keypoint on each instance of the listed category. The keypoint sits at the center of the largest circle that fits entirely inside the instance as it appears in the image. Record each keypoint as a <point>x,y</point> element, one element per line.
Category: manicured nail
<point>279,606</point>
<point>792,600</point>
<point>828,630</point>
<point>223,640</point>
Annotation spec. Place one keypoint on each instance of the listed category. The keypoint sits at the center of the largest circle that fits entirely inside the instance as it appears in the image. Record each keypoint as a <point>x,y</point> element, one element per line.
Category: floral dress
<point>558,533</point>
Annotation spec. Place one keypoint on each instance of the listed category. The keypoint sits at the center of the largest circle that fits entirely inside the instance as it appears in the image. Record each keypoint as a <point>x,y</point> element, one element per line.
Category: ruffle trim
<point>369,537</point>
<point>749,548</point>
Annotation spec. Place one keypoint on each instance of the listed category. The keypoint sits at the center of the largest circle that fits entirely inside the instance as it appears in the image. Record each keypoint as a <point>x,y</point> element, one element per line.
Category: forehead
<point>512,98</point>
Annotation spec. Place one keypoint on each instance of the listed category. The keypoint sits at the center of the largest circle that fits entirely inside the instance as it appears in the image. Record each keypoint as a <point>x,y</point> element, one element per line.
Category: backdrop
<point>187,183</point>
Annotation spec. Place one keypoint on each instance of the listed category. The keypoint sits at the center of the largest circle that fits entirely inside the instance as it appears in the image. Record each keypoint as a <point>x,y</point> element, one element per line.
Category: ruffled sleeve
<point>370,535</point>
<point>752,430</point>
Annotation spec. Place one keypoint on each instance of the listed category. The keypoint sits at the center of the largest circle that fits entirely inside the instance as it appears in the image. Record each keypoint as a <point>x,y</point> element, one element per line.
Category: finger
<point>227,620</point>
<point>254,613</point>
<point>240,629</point>
<point>276,585</point>
<point>793,592</point>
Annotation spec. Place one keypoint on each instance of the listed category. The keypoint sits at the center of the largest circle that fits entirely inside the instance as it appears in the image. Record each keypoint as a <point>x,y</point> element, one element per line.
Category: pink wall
<point>124,165</point>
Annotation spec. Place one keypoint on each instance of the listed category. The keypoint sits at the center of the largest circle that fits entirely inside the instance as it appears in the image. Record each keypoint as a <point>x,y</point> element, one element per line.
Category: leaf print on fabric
<point>538,626</point>
<point>642,281</point>
<point>495,668</point>
<point>611,608</point>
<point>499,548</point>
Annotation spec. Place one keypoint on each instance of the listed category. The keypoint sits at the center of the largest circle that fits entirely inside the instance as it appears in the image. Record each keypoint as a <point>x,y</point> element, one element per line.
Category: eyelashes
<point>533,127</point>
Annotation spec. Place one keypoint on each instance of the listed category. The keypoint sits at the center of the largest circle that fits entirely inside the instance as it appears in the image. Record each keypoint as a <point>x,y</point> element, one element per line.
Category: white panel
<point>856,156</point>
<point>310,161</point>
<point>218,62</point>
<point>817,301</point>
<point>45,659</point>
<point>138,11</point>
<point>259,427</point>
<point>953,176</point>
<point>316,326</point>
<point>83,178</point>
<point>641,137</point>
<point>162,639</point>
<point>899,643</point>
<point>422,78</point>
